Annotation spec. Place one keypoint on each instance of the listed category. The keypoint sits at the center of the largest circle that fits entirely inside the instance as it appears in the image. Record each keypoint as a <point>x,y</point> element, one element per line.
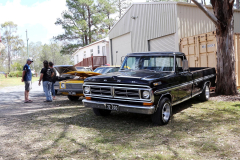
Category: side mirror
<point>185,65</point>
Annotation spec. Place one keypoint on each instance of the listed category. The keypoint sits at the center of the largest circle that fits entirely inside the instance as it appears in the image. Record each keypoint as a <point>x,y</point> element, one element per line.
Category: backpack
<point>54,77</point>
<point>49,74</point>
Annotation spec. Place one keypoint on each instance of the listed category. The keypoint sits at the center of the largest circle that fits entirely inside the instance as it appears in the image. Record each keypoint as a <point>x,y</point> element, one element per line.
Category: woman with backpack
<point>46,74</point>
<point>53,79</point>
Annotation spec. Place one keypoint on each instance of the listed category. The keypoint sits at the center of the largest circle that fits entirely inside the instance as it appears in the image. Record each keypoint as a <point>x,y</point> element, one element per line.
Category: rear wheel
<point>101,112</point>
<point>163,112</point>
<point>73,98</point>
<point>205,95</point>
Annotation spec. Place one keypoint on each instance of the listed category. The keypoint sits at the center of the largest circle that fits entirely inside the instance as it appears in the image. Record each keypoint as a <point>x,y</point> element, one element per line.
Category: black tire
<point>163,113</point>
<point>73,98</point>
<point>204,96</point>
<point>56,91</point>
<point>101,112</point>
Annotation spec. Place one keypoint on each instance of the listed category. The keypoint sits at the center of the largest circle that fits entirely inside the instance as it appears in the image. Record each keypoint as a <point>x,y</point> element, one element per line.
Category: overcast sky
<point>37,16</point>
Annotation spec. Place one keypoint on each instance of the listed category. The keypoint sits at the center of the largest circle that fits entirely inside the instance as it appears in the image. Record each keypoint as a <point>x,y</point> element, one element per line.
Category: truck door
<point>197,82</point>
<point>184,79</point>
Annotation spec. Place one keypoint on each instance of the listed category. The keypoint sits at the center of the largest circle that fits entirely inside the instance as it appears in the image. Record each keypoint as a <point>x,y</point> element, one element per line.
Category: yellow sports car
<point>73,87</point>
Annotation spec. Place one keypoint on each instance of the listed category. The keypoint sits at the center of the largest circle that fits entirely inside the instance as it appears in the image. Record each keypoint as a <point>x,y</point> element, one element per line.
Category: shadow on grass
<point>119,128</point>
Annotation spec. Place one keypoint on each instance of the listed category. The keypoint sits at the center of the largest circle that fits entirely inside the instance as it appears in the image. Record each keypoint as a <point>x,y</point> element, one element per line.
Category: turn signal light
<point>147,104</point>
<point>88,98</point>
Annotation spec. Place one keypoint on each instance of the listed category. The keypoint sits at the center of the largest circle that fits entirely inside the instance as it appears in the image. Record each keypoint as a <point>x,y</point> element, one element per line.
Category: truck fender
<point>168,95</point>
<point>206,83</point>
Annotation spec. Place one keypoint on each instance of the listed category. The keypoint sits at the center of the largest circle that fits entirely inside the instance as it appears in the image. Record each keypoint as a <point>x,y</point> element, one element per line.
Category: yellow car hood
<point>83,73</point>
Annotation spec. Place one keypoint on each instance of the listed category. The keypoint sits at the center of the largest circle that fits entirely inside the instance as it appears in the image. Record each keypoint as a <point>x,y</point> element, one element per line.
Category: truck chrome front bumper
<point>121,107</point>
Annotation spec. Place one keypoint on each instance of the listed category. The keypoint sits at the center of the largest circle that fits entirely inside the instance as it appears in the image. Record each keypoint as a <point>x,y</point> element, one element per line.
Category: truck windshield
<point>155,63</point>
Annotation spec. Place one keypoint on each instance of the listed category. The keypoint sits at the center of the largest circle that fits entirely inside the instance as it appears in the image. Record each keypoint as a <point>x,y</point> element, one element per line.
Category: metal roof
<point>155,53</point>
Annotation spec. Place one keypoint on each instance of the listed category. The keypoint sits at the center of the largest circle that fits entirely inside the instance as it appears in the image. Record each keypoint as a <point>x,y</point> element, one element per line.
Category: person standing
<point>46,74</point>
<point>27,79</point>
<point>53,79</point>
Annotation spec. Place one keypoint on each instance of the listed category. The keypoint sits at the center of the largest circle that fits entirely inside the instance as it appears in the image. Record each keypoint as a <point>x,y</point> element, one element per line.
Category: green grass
<point>67,130</point>
<point>13,81</point>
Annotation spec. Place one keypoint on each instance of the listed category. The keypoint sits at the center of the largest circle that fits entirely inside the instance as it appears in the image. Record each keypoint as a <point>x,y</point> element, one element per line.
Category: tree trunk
<point>9,59</point>
<point>89,26</point>
<point>226,77</point>
<point>86,38</point>
<point>226,80</point>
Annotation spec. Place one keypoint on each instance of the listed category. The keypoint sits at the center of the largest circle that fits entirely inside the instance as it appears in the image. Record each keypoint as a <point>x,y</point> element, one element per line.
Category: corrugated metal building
<point>158,27</point>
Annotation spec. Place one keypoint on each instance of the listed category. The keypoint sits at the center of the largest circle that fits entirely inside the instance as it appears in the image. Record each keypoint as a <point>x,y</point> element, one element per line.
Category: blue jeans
<point>53,91</point>
<point>47,90</point>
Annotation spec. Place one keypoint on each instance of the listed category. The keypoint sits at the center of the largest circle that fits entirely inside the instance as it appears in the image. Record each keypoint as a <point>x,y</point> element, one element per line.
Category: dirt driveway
<point>23,125</point>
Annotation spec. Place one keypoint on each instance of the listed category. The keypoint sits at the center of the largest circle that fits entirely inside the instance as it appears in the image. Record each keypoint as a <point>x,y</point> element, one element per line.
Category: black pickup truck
<point>148,83</point>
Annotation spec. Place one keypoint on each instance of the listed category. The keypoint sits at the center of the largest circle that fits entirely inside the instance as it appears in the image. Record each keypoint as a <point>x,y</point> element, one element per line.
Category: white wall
<point>85,52</point>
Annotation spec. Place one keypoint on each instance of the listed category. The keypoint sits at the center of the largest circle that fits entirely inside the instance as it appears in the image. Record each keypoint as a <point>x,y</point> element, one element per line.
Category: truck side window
<point>179,64</point>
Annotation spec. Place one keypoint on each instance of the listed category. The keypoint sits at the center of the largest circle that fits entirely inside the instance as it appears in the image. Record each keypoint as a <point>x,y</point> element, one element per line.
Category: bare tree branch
<point>207,12</point>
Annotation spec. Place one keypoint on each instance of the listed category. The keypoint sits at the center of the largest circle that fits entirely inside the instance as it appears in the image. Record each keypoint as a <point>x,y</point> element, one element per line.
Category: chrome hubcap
<point>207,92</point>
<point>166,112</point>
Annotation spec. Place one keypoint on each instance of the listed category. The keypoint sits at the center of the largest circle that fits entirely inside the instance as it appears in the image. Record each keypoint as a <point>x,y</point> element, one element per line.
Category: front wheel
<point>163,112</point>
<point>73,98</point>
<point>101,112</point>
<point>205,95</point>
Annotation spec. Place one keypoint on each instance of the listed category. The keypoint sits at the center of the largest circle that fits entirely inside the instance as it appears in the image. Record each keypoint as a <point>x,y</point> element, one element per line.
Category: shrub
<point>15,73</point>
<point>2,76</point>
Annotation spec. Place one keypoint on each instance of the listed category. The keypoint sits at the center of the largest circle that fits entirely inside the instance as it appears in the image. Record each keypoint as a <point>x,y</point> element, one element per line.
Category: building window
<point>98,47</point>
<point>103,50</point>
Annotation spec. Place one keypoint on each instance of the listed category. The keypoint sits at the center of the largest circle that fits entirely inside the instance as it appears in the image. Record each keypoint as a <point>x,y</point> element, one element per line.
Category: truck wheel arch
<point>204,96</point>
<point>168,95</point>
<point>206,83</point>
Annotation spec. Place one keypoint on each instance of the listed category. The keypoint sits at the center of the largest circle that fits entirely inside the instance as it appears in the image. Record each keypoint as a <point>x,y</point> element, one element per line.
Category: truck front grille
<point>116,92</point>
<point>126,93</point>
<point>73,86</point>
<point>106,91</point>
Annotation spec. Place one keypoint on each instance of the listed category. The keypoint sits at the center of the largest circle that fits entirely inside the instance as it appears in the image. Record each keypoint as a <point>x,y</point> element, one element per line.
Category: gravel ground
<point>215,97</point>
<point>16,117</point>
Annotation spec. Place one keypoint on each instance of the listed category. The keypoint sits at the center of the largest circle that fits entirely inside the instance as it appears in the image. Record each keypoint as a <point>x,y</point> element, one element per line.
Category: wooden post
<point>92,62</point>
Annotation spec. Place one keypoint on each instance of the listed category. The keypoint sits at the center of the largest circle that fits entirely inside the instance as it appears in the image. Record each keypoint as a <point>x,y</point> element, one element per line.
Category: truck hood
<point>140,77</point>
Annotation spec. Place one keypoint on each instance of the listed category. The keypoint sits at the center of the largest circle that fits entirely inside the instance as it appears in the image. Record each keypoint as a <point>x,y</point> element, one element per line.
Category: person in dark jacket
<point>53,79</point>
<point>46,75</point>
<point>27,79</point>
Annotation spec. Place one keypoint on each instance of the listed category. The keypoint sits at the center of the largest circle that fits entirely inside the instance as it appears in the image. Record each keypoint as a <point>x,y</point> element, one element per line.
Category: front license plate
<point>72,93</point>
<point>112,107</point>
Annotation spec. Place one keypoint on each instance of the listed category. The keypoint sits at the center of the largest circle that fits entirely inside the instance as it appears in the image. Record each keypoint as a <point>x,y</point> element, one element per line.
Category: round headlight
<point>87,89</point>
<point>146,94</point>
<point>62,85</point>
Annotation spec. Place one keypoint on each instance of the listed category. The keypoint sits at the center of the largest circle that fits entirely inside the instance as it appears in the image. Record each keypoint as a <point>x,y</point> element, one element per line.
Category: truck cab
<point>148,83</point>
